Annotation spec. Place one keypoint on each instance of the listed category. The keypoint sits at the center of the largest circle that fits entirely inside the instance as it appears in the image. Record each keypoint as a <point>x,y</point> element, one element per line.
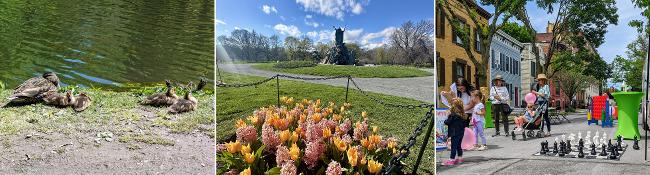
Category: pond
<point>107,43</point>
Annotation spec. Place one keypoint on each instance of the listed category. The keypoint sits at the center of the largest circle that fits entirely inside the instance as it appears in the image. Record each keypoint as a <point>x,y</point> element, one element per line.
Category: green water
<point>106,43</point>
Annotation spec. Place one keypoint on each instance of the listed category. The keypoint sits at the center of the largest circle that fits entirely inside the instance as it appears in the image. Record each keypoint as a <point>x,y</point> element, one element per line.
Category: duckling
<point>162,99</point>
<point>34,89</point>
<point>82,102</point>
<point>58,99</point>
<point>188,103</point>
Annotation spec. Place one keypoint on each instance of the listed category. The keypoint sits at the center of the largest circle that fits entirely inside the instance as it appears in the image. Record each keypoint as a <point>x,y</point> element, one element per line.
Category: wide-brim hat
<point>542,77</point>
<point>498,77</point>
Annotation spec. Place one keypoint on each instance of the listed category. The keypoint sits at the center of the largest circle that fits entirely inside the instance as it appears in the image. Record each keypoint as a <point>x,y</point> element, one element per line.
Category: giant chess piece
<point>555,148</point>
<point>562,148</point>
<point>613,152</point>
<point>593,149</point>
<point>546,146</point>
<point>568,146</point>
<point>581,143</point>
<point>542,151</point>
<point>636,144</point>
<point>603,151</point>
<point>619,143</point>
<point>609,143</point>
<point>580,153</point>
<point>579,135</point>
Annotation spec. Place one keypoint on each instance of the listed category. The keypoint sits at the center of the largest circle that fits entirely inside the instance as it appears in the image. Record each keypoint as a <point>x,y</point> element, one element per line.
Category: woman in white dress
<point>500,98</point>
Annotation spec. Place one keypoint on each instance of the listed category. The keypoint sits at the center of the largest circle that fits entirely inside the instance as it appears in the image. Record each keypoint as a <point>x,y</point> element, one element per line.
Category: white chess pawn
<point>563,137</point>
<point>597,133</point>
<point>596,140</point>
<point>579,135</point>
<point>556,140</point>
<point>572,136</point>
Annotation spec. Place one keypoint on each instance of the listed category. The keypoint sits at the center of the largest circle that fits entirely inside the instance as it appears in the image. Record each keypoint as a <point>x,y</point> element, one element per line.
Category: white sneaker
<point>481,148</point>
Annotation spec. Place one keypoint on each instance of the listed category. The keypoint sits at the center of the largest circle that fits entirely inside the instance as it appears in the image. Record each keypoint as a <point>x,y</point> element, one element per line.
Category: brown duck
<point>189,102</point>
<point>162,99</point>
<point>82,102</point>
<point>59,99</point>
<point>34,89</point>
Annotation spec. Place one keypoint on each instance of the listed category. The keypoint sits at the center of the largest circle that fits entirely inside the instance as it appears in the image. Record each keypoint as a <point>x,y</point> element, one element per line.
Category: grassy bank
<point>236,103</point>
<point>383,71</point>
<point>112,115</point>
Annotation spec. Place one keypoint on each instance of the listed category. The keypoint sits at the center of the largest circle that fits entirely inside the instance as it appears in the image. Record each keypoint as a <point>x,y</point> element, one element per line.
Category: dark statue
<point>339,54</point>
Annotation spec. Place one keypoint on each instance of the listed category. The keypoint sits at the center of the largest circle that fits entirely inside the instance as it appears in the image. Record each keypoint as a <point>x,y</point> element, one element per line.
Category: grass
<point>145,138</point>
<point>236,103</point>
<point>383,71</point>
<point>111,111</point>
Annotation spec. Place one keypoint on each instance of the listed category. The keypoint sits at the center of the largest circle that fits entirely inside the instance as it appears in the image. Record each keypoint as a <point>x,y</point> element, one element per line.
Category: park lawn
<point>382,71</point>
<point>111,112</point>
<point>238,103</point>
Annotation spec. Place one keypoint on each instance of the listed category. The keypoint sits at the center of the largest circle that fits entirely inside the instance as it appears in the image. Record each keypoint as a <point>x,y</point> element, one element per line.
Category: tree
<point>645,6</point>
<point>520,33</point>
<point>572,81</point>
<point>574,20</point>
<point>291,47</point>
<point>412,41</point>
<point>630,70</point>
<point>503,12</point>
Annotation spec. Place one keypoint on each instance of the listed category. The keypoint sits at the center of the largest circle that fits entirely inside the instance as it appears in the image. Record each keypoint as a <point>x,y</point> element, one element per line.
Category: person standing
<point>500,97</point>
<point>543,93</point>
<point>460,89</point>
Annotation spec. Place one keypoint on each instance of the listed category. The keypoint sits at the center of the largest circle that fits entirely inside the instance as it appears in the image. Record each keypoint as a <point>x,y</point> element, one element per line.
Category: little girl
<point>456,130</point>
<point>478,119</point>
<point>519,121</point>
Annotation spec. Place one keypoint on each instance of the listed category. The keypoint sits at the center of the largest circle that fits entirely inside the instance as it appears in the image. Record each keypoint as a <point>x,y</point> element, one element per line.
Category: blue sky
<point>367,22</point>
<point>617,37</point>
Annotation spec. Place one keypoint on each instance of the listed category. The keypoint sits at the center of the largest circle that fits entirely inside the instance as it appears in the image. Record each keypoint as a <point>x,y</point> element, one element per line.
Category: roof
<point>510,38</point>
<point>479,9</point>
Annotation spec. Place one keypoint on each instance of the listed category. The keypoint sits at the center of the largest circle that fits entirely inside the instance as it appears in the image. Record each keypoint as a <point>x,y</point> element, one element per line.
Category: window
<point>441,70</point>
<point>459,70</point>
<point>477,39</point>
<point>440,23</point>
<point>494,62</point>
<point>533,69</point>
<point>501,61</point>
<point>456,39</point>
<point>507,64</point>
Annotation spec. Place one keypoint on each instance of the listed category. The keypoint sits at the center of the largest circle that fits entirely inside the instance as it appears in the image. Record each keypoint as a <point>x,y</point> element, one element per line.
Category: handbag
<point>506,107</point>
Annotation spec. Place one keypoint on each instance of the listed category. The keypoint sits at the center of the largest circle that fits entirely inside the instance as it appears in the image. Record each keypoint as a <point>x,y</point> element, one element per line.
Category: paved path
<point>505,156</point>
<point>418,88</point>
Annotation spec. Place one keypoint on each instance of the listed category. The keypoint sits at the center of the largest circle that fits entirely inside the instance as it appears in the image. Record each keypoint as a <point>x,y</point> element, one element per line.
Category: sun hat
<point>541,76</point>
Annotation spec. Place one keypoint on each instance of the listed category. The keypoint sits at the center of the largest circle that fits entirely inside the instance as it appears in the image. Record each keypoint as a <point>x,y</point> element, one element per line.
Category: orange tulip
<point>374,166</point>
<point>294,151</point>
<point>240,123</point>
<point>327,133</point>
<point>249,158</point>
<point>353,156</point>
<point>233,147</point>
<point>294,137</point>
<point>316,117</point>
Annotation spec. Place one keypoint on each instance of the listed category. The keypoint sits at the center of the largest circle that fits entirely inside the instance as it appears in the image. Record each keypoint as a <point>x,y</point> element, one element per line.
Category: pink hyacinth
<point>330,124</point>
<point>347,139</point>
<point>261,115</point>
<point>314,131</point>
<point>313,153</point>
<point>232,172</point>
<point>360,131</point>
<point>269,138</point>
<point>221,147</point>
<point>282,155</point>
<point>288,168</point>
<point>345,127</point>
<point>334,168</point>
<point>247,134</point>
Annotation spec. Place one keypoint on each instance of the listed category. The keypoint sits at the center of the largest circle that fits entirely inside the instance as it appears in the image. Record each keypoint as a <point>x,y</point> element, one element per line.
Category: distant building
<point>452,60</point>
<point>529,67</point>
<point>505,54</point>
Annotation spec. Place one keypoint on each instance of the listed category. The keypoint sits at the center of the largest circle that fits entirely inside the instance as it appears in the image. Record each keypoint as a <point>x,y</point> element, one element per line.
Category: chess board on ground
<point>573,154</point>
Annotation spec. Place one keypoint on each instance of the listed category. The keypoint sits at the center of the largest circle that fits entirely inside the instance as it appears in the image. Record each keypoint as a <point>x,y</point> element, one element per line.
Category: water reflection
<point>106,43</point>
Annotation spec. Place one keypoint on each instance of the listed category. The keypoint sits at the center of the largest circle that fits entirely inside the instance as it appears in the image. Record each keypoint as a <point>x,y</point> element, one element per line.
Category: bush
<point>294,64</point>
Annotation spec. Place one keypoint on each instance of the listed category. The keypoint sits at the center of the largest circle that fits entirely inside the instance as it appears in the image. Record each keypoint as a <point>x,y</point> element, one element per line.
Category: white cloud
<point>334,8</point>
<point>268,9</point>
<point>310,21</point>
<point>352,35</point>
<point>290,30</point>
<point>358,36</point>
<point>384,35</point>
<point>312,34</point>
<point>217,21</point>
<point>240,28</point>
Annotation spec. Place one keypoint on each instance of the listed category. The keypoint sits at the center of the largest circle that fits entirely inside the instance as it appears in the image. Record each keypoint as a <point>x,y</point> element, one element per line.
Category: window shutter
<point>454,75</point>
<point>468,75</point>
<point>441,71</point>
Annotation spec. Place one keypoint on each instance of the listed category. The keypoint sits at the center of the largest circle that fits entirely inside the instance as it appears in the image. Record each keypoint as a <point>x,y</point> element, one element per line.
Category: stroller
<point>535,124</point>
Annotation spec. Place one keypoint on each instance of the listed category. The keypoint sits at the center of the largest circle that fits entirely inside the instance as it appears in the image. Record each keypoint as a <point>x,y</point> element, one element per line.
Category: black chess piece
<point>562,149</point>
<point>603,151</point>
<point>619,144</point>
<point>580,153</point>
<point>546,146</point>
<point>636,144</point>
<point>581,143</point>
<point>555,148</point>
<point>609,143</point>
<point>542,151</point>
<point>568,146</point>
<point>612,154</point>
<point>593,149</point>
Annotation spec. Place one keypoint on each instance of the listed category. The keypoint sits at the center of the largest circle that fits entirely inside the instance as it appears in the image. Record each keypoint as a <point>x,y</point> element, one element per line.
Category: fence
<point>395,164</point>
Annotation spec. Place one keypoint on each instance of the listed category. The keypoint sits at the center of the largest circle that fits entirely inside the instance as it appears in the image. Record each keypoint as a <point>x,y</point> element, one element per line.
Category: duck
<point>34,89</point>
<point>162,99</point>
<point>188,102</point>
<point>82,102</point>
<point>58,99</point>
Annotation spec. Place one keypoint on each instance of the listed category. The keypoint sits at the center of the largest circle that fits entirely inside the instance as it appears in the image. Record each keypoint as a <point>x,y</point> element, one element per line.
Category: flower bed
<point>305,137</point>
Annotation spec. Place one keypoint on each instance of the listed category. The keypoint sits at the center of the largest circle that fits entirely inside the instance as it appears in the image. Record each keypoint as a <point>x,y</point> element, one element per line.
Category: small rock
<point>28,136</point>
<point>98,140</point>
<point>203,164</point>
<point>109,139</point>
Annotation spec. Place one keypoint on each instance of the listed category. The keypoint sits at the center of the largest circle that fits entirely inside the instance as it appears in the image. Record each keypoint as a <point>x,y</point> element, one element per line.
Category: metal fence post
<point>347,87</point>
<point>425,141</point>
<point>277,81</point>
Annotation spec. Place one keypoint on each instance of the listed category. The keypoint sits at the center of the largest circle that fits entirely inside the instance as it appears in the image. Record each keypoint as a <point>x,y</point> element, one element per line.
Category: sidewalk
<point>505,156</point>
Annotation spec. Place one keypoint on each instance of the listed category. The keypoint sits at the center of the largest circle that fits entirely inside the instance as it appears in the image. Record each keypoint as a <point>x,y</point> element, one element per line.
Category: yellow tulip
<point>363,161</point>
<point>365,143</point>
<point>284,136</point>
<point>247,171</point>
<point>317,102</point>
<point>302,118</point>
<point>337,117</point>
<point>240,123</point>
<point>249,158</point>
<point>294,151</point>
<point>342,109</point>
<point>316,117</point>
<point>290,100</point>
<point>317,110</point>
<point>246,149</point>
<point>374,166</point>
<point>375,129</point>
<point>375,139</point>
<point>340,144</point>
<point>364,114</point>
<point>294,137</point>
<point>254,120</point>
<point>353,156</point>
<point>233,147</point>
<point>327,133</point>
<point>391,143</point>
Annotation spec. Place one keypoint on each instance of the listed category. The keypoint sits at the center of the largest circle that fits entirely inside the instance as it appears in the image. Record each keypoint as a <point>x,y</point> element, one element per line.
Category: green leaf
<point>258,153</point>
<point>273,171</point>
